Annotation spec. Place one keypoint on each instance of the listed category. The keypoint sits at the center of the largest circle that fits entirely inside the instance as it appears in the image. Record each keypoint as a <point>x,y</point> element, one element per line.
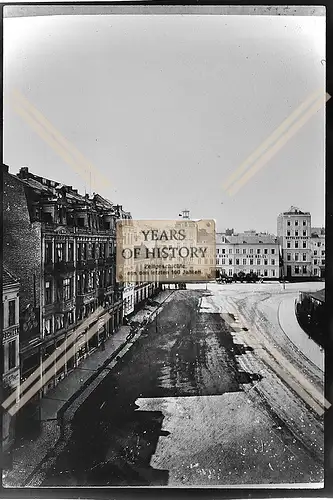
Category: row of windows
<point>244,262</point>
<point>315,252</point>
<point>84,251</point>
<point>317,262</point>
<point>297,256</point>
<point>267,273</point>
<point>58,322</point>
<point>304,223</point>
<point>86,283</point>
<point>304,233</point>
<point>297,244</point>
<point>245,251</point>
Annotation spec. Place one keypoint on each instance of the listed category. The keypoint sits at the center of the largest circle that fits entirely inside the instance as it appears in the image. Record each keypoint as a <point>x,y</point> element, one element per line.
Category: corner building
<point>61,245</point>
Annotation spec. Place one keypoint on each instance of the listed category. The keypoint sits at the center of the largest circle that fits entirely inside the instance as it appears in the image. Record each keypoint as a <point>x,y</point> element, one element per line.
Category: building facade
<point>317,246</point>
<point>62,247</point>
<point>10,352</point>
<point>248,252</point>
<point>294,234</point>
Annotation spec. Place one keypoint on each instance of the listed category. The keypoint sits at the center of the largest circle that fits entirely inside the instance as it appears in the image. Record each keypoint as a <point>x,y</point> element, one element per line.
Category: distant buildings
<point>248,252</point>
<point>317,247</point>
<point>294,232</point>
<point>10,351</point>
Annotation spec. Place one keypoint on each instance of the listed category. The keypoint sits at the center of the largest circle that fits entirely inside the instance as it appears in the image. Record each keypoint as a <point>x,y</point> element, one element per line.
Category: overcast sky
<point>168,106</point>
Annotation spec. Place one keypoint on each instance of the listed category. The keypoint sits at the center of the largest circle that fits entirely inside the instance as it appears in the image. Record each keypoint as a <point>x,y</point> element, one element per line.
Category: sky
<point>167,107</point>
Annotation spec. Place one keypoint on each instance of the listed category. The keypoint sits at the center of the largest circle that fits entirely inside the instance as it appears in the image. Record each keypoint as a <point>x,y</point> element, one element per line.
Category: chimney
<point>23,173</point>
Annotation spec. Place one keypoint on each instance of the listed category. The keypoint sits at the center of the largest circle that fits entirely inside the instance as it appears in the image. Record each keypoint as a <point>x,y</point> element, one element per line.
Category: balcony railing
<point>86,297</point>
<point>64,305</point>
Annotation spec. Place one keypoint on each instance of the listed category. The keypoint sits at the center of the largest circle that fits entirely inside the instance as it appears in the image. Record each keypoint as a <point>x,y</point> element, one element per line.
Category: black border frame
<point>214,493</point>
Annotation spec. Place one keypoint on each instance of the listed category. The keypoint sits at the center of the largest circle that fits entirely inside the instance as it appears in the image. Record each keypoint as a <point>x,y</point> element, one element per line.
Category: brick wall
<point>21,244</point>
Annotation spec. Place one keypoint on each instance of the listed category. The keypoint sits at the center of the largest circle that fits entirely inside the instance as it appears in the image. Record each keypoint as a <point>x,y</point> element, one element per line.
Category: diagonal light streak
<point>58,143</point>
<point>272,138</point>
<point>36,374</point>
<point>59,364</point>
<point>279,144</point>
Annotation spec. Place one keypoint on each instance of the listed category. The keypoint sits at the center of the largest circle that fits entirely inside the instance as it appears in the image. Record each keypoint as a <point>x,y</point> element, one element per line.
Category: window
<point>11,312</point>
<point>223,250</point>
<point>296,222</point>
<point>265,273</point>
<point>251,262</point>
<point>80,221</point>
<point>288,233</point>
<point>237,262</point>
<point>266,262</point>
<point>318,244</point>
<point>273,262</point>
<point>323,262</point>
<point>68,288</point>
<point>288,244</point>
<point>258,262</point>
<point>244,250</point>
<point>11,354</point>
<point>251,250</point>
<point>273,273</point>
<point>230,272</point>
<point>230,262</point>
<point>315,271</point>
<point>296,233</point>
<point>296,269</point>
<point>48,326</point>
<point>288,223</point>
<point>230,250</point>
<point>304,222</point>
<point>237,250</point>
<point>296,244</point>
<point>304,269</point>
<point>70,251</point>
<point>304,233</point>
<point>288,256</point>
<point>266,251</point>
<point>273,250</point>
<point>48,252</point>
<point>315,262</point>
<point>223,262</point>
<point>315,252</point>
<point>60,252</point>
<point>244,262</point>
<point>296,256</point>
<point>304,244</point>
<point>258,250</point>
<point>59,322</point>
<point>48,292</point>
<point>218,251</point>
<point>323,252</point>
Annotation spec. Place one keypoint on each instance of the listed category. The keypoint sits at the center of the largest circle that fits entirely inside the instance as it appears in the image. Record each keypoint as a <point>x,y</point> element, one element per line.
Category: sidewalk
<point>291,327</point>
<point>75,388</point>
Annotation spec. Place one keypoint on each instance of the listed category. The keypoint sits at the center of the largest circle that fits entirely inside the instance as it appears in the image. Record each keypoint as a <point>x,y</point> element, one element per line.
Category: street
<point>202,401</point>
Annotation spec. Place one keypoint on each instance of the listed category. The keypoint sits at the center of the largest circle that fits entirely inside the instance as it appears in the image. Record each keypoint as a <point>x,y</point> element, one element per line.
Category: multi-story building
<point>127,288</point>
<point>248,252</point>
<point>61,245</point>
<point>317,246</point>
<point>294,231</point>
<point>10,352</point>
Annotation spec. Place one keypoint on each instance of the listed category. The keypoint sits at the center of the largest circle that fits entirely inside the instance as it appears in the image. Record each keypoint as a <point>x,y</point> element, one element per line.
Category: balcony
<point>86,298</point>
<point>108,290</point>
<point>91,263</point>
<point>101,262</point>
<point>64,305</point>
